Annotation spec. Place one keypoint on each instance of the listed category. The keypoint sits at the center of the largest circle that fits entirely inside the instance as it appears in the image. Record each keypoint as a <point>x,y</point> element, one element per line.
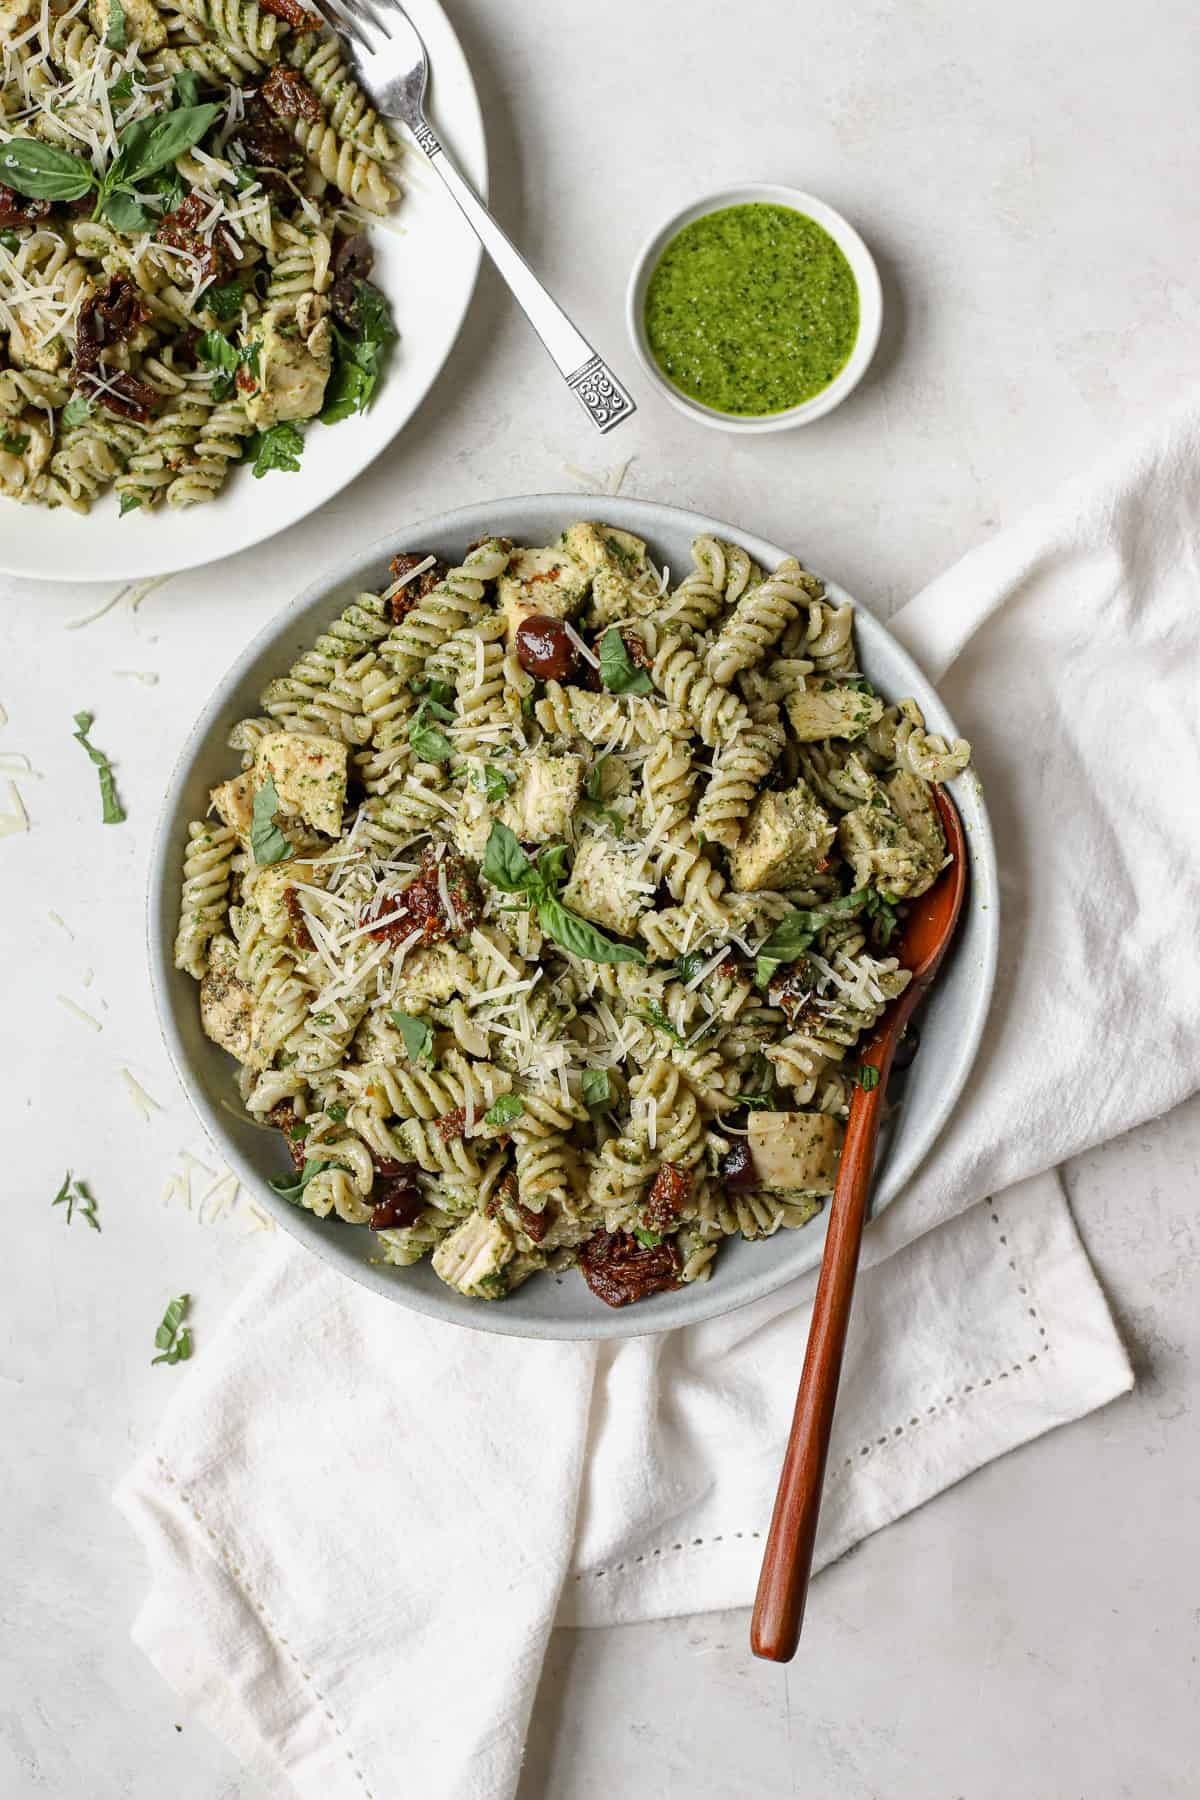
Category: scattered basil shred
<point>113,813</point>
<point>266,840</point>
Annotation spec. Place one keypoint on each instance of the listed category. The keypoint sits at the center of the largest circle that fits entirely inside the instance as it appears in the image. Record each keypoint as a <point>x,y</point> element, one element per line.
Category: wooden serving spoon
<point>787,1562</point>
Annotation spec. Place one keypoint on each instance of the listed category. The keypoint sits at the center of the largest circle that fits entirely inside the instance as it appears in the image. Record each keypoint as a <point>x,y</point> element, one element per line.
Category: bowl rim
<point>698,1301</point>
<point>852,246</point>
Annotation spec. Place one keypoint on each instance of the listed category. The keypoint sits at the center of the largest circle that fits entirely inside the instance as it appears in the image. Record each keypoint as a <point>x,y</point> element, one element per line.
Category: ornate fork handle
<point>586,374</point>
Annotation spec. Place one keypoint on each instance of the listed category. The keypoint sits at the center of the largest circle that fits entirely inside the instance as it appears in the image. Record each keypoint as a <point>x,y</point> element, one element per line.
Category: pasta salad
<point>184,275</point>
<point>550,904</point>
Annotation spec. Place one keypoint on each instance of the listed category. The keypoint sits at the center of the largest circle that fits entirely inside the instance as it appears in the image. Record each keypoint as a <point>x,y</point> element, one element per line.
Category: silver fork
<point>392,66</point>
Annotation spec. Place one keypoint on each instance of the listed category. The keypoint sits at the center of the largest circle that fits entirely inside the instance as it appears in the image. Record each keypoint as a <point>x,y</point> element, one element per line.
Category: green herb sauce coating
<point>752,309</point>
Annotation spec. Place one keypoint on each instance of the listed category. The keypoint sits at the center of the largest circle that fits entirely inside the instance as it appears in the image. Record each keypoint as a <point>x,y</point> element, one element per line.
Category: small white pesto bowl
<point>862,267</point>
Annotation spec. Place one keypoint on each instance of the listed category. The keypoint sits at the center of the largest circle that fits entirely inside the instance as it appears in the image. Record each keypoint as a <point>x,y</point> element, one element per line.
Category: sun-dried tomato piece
<point>283,1116</point>
<point>795,997</point>
<point>452,1124</point>
<point>180,230</point>
<point>109,315</point>
<point>506,1197</point>
<point>118,391</point>
<point>288,95</point>
<point>635,646</point>
<point>293,14</point>
<point>620,1270</point>
<point>420,907</point>
<point>268,144</point>
<point>398,1198</point>
<point>402,603</point>
<point>300,935</point>
<point>668,1197</point>
<point>15,209</point>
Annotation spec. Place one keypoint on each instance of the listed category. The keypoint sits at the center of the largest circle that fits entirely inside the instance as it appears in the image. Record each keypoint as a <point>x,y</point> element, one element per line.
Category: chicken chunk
<point>623,582</point>
<point>830,711</point>
<point>227,1004</point>
<point>795,1151</point>
<point>309,773</point>
<point>472,1258</point>
<point>606,888</point>
<point>548,582</point>
<point>786,840</point>
<point>233,803</point>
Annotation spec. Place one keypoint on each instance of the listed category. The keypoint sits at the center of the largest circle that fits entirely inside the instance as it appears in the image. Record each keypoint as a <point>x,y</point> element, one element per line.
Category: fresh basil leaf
<point>168,184</point>
<point>505,864</point>
<point>594,786</point>
<point>185,87</point>
<point>596,1087</point>
<point>148,145</point>
<point>866,1077</point>
<point>650,1239</point>
<point>426,741</point>
<point>129,503</point>
<point>552,865</point>
<point>688,966</point>
<point>279,447</point>
<point>112,812</point>
<point>77,409</point>
<point>216,350</point>
<point>882,912</point>
<point>619,673</point>
<point>580,936</point>
<point>225,302</point>
<point>121,91</point>
<point>266,840</point>
<point>417,1035</point>
<point>795,932</point>
<point>126,213</point>
<point>41,172</point>
<point>15,442</point>
<point>292,1190</point>
<point>504,1110</point>
<point>336,1112</point>
<point>116,35</point>
<point>10,242</point>
<point>496,783</point>
<point>348,389</point>
<point>439,693</point>
<point>359,355</point>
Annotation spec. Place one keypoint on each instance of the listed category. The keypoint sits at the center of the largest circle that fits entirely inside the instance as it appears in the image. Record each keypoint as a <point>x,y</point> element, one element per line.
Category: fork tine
<point>366,6</point>
<point>345,24</point>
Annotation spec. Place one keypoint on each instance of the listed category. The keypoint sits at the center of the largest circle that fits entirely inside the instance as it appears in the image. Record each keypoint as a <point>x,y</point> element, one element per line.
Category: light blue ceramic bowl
<point>556,1306</point>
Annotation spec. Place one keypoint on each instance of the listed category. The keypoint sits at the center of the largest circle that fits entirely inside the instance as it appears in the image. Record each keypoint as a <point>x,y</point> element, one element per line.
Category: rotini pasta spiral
<point>206,875</point>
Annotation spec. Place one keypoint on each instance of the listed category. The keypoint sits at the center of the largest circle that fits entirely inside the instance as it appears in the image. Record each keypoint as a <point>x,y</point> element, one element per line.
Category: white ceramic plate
<point>426,261</point>
<point>555,1306</point>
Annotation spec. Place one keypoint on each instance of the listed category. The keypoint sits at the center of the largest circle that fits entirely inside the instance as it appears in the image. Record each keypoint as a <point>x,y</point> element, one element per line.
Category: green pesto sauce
<point>752,309</point>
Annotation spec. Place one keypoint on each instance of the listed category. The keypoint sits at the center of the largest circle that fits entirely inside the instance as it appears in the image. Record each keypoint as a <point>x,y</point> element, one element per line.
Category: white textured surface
<point>1024,177</point>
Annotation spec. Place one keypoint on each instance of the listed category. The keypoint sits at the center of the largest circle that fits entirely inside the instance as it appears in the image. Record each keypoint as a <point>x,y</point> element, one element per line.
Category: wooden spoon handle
<point>787,1563</point>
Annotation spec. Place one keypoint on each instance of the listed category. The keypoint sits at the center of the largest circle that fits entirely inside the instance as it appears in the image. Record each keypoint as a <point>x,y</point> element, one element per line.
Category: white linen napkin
<point>362,1525</point>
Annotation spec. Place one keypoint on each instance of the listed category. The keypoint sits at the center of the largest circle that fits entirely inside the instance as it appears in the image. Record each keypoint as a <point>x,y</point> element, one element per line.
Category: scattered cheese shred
<point>17,819</point>
<point>79,1013</point>
<point>144,1102</point>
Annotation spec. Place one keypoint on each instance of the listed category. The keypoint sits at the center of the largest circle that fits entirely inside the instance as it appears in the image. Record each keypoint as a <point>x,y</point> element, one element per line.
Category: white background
<point>1026,175</point>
